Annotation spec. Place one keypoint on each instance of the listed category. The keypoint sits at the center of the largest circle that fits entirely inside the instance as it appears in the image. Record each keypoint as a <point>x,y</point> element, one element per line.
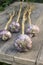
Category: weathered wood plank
<point>4,55</point>
<point>40,57</point>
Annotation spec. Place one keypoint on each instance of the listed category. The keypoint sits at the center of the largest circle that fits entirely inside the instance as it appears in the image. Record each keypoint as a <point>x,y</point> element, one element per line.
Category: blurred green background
<point>3,63</point>
<point>5,3</point>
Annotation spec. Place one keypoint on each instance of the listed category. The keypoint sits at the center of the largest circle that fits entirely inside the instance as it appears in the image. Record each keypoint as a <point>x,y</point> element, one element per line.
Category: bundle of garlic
<point>15,26</point>
<point>32,30</point>
<point>23,42</point>
<point>5,34</point>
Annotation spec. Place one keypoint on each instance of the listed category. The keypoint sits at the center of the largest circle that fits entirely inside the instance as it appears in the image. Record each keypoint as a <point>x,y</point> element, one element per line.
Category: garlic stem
<point>10,20</point>
<point>29,16</point>
<point>23,21</point>
<point>23,26</point>
<point>19,12</point>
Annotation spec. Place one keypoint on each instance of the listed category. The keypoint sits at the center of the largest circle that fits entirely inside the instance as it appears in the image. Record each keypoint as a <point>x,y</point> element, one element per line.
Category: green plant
<point>4,3</point>
<point>3,63</point>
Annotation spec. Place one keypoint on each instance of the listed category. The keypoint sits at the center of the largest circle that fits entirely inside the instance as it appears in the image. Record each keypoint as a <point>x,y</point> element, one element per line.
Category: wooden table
<point>7,50</point>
